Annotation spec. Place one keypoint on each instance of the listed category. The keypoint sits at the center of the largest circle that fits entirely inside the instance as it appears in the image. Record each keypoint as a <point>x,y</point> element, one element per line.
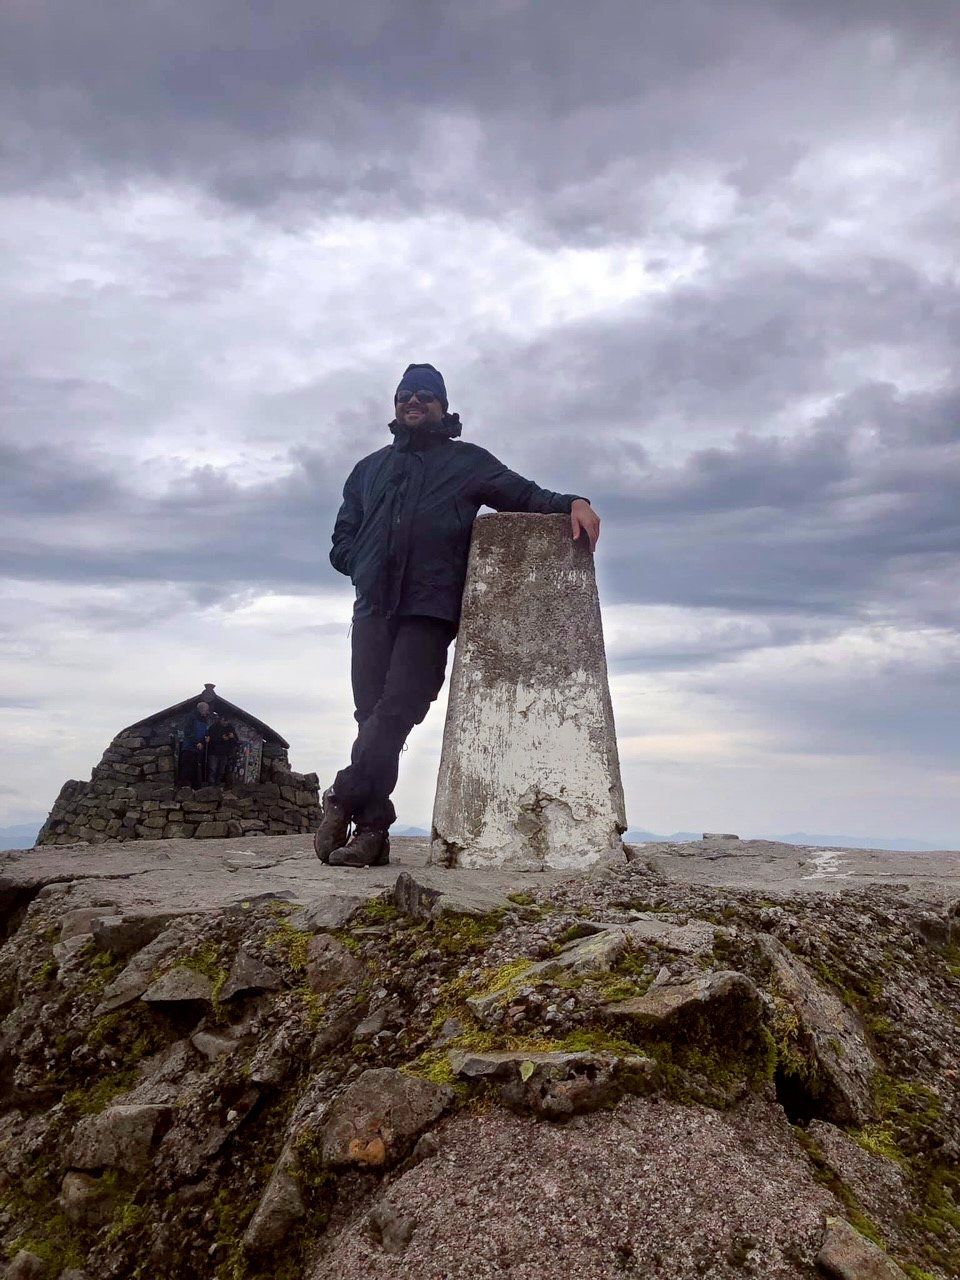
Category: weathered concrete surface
<point>529,773</point>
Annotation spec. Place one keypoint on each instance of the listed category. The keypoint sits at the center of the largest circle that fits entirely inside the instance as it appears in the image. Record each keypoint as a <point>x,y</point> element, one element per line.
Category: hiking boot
<point>334,827</point>
<point>369,847</point>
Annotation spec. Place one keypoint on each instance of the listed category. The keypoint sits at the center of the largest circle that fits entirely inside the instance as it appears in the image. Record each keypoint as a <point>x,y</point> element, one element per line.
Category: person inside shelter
<point>222,744</point>
<point>193,749</point>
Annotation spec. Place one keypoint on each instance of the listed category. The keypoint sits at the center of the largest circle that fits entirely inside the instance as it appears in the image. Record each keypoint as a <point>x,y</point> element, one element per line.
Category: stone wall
<point>132,793</point>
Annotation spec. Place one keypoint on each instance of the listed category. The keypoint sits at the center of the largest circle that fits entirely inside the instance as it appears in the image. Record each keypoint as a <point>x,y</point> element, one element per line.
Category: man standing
<point>193,749</point>
<point>402,536</point>
<point>222,743</point>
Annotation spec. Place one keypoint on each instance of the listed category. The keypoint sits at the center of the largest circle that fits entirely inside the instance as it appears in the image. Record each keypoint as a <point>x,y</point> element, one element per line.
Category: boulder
<point>281,1207</point>
<point>178,985</point>
<point>211,831</point>
<point>122,1137</point>
<point>248,973</point>
<point>597,953</point>
<point>84,1199</point>
<point>557,1085</point>
<point>332,911</point>
<point>212,1046</point>
<point>431,894</point>
<point>330,964</point>
<point>878,1183</point>
<point>376,1120</point>
<point>848,1255</point>
<point>24,1265</point>
<point>713,995</point>
<point>833,1033</point>
<point>80,921</point>
<point>377,1020</point>
<point>696,937</point>
<point>126,933</point>
<point>131,983</point>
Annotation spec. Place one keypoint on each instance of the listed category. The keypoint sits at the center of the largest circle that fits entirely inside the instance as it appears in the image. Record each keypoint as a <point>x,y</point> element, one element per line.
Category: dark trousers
<point>217,768</point>
<point>191,766</point>
<point>398,666</point>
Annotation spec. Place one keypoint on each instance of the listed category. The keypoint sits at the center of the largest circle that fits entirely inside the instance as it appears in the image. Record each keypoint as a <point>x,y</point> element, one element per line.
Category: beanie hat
<point>423,377</point>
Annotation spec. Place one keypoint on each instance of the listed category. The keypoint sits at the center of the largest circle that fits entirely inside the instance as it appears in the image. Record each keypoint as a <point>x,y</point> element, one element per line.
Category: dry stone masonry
<point>133,791</point>
<point>529,772</point>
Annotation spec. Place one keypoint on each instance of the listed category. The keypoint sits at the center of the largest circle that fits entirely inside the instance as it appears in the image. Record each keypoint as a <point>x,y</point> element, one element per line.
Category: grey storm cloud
<point>287,105</point>
<point>731,353</point>
<point>766,414</point>
<point>821,524</point>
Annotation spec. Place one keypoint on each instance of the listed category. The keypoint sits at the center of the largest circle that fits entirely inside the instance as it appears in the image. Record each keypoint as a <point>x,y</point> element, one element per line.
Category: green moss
<point>127,1218</point>
<point>93,1099</point>
<point>104,966</point>
<point>377,911</point>
<point>455,934</point>
<point>616,989</point>
<point>230,1221</point>
<point>314,1006</point>
<point>208,960</point>
<point>502,978</point>
<point>631,976</point>
<point>951,956</point>
<point>943,1202</point>
<point>44,972</point>
<point>521,899</point>
<point>910,1111</point>
<point>54,1241</point>
<point>878,1139</point>
<point>293,943</point>
<point>589,1040</point>
<point>42,1228</point>
<point>706,1059</point>
<point>795,1064</point>
<point>434,1065</point>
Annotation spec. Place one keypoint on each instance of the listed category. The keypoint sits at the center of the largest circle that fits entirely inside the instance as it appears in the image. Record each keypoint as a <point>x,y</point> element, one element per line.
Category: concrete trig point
<point>529,774</point>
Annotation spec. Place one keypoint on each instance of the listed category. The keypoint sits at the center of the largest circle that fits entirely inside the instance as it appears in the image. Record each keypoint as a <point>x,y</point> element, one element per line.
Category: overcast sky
<point>699,261</point>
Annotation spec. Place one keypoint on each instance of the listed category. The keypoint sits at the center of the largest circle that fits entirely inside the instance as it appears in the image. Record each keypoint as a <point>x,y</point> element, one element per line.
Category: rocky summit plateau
<point>713,1059</point>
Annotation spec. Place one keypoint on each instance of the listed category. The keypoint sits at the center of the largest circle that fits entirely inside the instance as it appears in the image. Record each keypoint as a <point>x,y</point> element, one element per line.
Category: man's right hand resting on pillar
<point>402,536</point>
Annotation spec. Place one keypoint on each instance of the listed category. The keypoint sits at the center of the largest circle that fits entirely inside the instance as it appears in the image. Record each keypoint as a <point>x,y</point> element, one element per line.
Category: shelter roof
<point>218,704</point>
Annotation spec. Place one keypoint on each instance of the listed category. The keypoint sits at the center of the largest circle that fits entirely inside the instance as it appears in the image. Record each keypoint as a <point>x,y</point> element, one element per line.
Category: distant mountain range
<point>22,836</point>
<point>900,843</point>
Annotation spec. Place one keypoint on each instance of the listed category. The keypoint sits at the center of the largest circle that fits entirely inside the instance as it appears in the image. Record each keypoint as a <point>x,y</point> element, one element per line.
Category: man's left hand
<point>583,519</point>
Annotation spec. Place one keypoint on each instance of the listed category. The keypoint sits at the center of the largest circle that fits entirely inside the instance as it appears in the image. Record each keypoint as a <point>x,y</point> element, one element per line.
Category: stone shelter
<point>133,792</point>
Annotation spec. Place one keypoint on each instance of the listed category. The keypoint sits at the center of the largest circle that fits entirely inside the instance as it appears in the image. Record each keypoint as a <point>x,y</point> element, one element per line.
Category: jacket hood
<point>449,428</point>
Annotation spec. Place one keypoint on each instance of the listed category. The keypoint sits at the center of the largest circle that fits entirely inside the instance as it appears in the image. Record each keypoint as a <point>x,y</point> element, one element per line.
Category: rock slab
<point>847,1255</point>
<point>375,1122</point>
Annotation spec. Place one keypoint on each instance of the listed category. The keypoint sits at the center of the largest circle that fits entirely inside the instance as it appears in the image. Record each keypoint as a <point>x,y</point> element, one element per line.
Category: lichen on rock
<point>553,1077</point>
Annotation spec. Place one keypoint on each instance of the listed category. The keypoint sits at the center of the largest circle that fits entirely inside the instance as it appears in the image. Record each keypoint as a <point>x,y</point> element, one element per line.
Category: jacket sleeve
<point>348,522</point>
<point>505,490</point>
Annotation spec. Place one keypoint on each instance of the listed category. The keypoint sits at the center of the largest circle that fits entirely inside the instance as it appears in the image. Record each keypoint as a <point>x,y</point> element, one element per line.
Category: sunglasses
<point>422,397</point>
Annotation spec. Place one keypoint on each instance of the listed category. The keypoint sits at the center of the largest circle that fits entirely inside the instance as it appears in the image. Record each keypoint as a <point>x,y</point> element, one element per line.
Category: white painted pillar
<point>529,773</point>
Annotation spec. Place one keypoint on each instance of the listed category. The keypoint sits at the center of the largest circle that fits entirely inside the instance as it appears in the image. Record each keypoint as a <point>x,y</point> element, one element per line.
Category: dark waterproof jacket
<point>196,729</point>
<point>403,532</point>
